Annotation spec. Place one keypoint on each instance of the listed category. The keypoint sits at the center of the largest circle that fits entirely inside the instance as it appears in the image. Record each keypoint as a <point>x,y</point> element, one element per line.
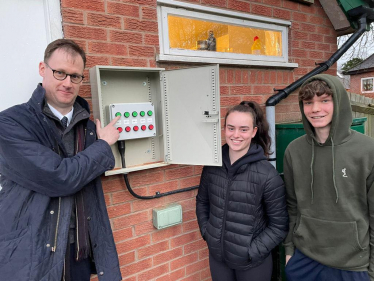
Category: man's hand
<point>109,133</point>
<point>288,258</point>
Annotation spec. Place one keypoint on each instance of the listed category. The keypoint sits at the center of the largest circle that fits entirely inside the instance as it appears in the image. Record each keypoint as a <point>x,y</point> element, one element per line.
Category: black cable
<point>121,148</point>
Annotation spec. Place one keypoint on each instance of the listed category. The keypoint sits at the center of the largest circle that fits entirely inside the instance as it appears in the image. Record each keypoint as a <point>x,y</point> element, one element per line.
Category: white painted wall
<point>26,28</point>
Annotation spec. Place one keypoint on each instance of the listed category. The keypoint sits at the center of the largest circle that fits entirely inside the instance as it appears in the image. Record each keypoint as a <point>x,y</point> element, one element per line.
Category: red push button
<point>127,129</point>
<point>136,128</point>
<point>150,127</point>
<point>144,127</point>
<point>120,129</point>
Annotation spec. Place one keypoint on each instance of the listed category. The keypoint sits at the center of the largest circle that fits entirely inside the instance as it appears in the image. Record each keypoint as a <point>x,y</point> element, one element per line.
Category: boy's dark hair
<point>262,137</point>
<point>68,46</point>
<point>314,87</point>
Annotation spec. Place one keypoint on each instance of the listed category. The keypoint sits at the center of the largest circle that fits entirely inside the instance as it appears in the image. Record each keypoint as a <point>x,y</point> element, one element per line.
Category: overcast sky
<point>363,48</point>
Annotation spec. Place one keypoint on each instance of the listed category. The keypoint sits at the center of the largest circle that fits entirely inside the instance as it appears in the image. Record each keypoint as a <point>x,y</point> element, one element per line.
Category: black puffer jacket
<point>241,209</point>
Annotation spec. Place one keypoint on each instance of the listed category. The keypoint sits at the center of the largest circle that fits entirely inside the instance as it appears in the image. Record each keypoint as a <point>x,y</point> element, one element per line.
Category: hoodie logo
<point>344,173</point>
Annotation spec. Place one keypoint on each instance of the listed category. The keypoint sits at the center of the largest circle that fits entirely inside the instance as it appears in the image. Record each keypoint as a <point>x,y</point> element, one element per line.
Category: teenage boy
<point>329,176</point>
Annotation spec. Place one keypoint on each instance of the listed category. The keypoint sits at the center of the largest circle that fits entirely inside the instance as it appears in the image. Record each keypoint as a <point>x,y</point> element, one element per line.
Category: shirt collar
<point>69,116</point>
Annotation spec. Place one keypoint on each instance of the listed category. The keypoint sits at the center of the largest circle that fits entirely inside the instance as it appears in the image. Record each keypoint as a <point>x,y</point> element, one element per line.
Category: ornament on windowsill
<point>257,46</point>
<point>202,45</point>
<point>211,41</point>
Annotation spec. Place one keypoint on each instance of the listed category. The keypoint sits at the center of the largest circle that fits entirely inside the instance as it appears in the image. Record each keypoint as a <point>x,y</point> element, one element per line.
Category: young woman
<point>241,206</point>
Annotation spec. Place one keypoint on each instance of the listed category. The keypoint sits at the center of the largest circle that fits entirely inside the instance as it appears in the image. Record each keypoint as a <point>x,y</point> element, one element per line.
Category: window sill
<point>189,59</point>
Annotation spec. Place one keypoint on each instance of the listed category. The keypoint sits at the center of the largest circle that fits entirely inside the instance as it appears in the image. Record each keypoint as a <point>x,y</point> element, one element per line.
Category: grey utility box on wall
<point>167,216</point>
<point>186,114</point>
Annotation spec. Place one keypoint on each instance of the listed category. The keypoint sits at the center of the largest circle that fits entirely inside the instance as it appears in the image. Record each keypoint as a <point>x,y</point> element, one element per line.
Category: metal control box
<point>168,216</point>
<point>137,120</point>
<point>186,114</point>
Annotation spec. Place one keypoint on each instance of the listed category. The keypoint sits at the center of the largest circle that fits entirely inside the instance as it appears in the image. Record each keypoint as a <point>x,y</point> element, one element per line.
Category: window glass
<point>367,85</point>
<point>201,34</point>
<point>194,34</point>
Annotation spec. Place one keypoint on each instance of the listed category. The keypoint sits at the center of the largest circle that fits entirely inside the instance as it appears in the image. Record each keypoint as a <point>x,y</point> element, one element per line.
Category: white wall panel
<point>26,28</point>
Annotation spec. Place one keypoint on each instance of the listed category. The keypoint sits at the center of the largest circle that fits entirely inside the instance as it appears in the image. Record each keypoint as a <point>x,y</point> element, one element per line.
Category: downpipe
<point>284,93</point>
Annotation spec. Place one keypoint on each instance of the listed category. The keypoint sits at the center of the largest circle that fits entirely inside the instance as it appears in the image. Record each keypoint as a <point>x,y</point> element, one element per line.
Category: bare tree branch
<point>363,48</point>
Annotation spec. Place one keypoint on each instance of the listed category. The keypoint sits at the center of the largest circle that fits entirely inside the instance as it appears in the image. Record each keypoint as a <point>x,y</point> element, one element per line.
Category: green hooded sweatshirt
<point>330,191</point>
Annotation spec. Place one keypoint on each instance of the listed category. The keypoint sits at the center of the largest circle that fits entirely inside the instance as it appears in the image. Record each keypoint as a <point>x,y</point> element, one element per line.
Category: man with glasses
<point>54,223</point>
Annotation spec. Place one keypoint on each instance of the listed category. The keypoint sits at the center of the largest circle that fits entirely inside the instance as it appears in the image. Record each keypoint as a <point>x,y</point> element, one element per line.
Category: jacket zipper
<point>224,218</point>
<point>64,272</point>
<point>76,227</point>
<point>58,220</point>
<point>84,139</point>
<point>76,149</point>
<point>75,200</point>
<point>53,249</point>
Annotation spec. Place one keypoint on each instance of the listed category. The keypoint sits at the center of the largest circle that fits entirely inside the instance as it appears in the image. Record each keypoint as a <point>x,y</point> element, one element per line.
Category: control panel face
<point>137,120</point>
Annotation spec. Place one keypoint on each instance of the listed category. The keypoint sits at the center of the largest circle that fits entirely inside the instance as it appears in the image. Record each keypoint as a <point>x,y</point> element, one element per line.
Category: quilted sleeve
<point>24,160</point>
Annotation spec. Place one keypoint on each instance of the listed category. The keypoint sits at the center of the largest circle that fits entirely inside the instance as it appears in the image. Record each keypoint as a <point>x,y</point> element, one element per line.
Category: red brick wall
<point>355,84</point>
<point>126,33</point>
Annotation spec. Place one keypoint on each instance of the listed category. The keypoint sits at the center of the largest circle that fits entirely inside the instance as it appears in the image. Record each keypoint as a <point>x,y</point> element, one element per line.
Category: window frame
<point>169,7</point>
<point>53,20</point>
<point>362,84</point>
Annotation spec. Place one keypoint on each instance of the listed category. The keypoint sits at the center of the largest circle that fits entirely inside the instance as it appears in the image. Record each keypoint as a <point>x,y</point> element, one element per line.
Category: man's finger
<point>114,121</point>
<point>98,123</point>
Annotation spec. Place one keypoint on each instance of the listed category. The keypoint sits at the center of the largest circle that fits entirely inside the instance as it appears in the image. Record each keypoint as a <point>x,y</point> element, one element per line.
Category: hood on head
<point>342,115</point>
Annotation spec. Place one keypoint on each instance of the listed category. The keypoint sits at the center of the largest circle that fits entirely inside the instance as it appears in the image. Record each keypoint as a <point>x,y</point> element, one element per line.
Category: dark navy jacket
<point>37,195</point>
<point>241,209</point>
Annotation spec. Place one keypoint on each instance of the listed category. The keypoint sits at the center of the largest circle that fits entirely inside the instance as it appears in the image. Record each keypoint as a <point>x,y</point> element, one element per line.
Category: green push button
<point>150,113</point>
<point>127,114</point>
<point>142,113</point>
<point>134,114</point>
<point>118,114</point>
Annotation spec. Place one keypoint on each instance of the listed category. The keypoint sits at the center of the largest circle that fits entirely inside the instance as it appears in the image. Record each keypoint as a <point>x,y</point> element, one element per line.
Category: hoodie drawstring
<point>311,171</point>
<point>333,171</point>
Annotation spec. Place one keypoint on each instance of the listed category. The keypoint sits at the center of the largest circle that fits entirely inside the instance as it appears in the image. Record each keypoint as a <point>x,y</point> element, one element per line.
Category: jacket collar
<point>37,103</point>
<point>37,100</point>
<point>255,153</point>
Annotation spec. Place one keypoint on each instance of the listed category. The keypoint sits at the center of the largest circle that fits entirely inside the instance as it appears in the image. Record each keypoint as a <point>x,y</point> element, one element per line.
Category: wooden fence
<point>363,107</point>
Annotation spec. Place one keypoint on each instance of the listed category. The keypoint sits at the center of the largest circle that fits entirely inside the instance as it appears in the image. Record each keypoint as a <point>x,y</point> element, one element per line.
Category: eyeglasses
<point>60,75</point>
